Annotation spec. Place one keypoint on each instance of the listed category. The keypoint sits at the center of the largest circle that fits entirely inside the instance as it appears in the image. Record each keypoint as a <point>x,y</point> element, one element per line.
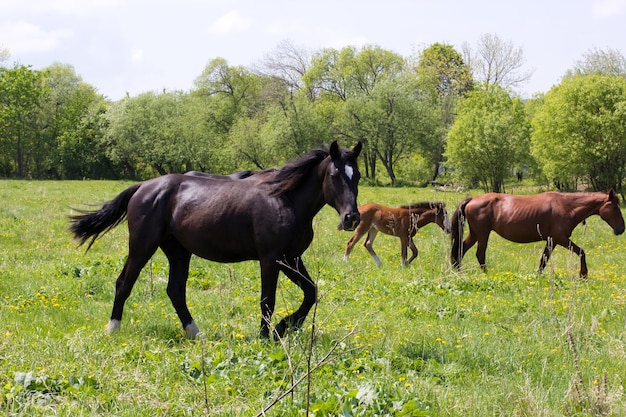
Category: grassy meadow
<point>422,340</point>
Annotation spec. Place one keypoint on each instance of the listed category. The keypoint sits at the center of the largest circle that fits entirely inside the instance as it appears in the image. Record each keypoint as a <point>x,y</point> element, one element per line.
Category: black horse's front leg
<point>296,272</point>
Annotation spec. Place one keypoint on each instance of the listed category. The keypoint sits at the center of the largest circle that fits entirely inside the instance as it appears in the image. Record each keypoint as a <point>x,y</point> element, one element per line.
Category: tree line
<point>439,116</point>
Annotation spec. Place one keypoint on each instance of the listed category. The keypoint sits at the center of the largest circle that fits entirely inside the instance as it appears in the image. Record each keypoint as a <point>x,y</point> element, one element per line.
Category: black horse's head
<point>340,186</point>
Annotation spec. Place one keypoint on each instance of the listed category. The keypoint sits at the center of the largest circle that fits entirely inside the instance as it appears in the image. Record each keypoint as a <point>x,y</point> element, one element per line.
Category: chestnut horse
<point>549,216</point>
<point>403,222</point>
<point>267,217</point>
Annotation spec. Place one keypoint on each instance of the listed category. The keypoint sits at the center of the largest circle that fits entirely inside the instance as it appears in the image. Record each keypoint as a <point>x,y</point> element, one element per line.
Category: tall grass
<point>391,340</point>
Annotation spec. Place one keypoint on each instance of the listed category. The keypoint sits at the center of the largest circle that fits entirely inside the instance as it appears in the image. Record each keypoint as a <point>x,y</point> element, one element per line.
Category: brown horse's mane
<point>425,205</point>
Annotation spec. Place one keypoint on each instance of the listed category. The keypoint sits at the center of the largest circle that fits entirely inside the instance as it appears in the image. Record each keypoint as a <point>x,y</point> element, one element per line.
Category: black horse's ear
<point>357,149</point>
<point>335,153</point>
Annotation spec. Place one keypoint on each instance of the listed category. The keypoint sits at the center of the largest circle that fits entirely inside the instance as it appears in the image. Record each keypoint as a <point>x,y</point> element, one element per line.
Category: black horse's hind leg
<point>124,284</point>
<point>269,282</point>
<point>179,259</point>
<point>296,272</point>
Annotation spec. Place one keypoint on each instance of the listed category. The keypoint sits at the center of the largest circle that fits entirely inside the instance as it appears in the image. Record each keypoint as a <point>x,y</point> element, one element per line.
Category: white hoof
<point>113,326</point>
<point>191,330</point>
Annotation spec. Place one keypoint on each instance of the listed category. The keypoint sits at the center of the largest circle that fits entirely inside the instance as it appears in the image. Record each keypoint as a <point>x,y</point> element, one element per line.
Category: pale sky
<point>134,46</point>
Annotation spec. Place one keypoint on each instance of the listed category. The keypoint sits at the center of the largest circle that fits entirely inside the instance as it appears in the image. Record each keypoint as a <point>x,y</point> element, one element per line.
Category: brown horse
<point>267,217</point>
<point>403,222</point>
<point>547,216</point>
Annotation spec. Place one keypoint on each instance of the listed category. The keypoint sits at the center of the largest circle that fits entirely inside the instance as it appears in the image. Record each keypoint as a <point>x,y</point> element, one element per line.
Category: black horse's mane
<point>293,172</point>
<point>425,205</point>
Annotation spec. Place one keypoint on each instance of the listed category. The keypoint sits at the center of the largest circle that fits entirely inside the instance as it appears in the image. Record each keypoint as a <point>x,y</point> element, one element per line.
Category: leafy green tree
<point>145,132</point>
<point>68,147</point>
<point>22,92</point>
<point>444,78</point>
<point>389,118</point>
<point>489,137</point>
<point>579,131</point>
<point>365,96</point>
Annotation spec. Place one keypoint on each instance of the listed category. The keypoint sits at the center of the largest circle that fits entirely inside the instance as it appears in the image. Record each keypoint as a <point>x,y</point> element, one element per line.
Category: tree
<point>445,78</point>
<point>288,65</point>
<point>22,92</point>
<point>4,54</point>
<point>489,136</point>
<point>145,132</point>
<point>69,147</point>
<point>497,62</point>
<point>598,61</point>
<point>363,92</point>
<point>579,131</point>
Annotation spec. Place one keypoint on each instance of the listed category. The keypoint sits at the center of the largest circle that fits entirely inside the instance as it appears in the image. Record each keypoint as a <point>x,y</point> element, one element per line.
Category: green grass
<point>422,340</point>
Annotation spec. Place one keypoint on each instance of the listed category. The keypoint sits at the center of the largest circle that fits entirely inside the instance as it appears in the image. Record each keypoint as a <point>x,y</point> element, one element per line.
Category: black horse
<point>268,219</point>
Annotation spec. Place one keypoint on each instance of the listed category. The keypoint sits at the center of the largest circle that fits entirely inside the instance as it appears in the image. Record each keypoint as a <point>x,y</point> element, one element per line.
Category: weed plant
<point>422,340</point>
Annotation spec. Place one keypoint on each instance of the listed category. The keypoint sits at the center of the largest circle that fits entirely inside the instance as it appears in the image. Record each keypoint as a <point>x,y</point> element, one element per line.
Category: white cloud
<point>231,22</point>
<point>24,37</point>
<point>603,9</point>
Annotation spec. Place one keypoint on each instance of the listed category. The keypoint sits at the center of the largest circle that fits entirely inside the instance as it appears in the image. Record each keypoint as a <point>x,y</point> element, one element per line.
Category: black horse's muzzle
<point>350,221</point>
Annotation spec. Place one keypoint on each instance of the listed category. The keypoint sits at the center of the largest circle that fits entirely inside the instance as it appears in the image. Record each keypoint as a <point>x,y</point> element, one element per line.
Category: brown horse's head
<point>610,212</point>
<point>340,184</point>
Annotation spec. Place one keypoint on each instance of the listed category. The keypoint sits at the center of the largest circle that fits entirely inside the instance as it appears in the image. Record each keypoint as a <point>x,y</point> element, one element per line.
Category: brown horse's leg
<point>481,252</point>
<point>179,258</point>
<point>545,257</point>
<point>581,254</point>
<point>413,250</point>
<point>369,245</point>
<point>269,281</point>
<point>465,246</point>
<point>296,272</point>
<point>124,284</point>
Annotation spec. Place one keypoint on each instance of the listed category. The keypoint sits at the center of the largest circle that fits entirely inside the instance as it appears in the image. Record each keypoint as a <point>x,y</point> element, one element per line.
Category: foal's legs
<point>413,250</point>
<point>296,272</point>
<point>358,234</point>
<point>179,258</point>
<point>369,245</point>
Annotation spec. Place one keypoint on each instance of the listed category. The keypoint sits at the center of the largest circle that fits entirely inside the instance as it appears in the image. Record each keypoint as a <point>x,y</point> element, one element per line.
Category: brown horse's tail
<point>91,224</point>
<point>456,226</point>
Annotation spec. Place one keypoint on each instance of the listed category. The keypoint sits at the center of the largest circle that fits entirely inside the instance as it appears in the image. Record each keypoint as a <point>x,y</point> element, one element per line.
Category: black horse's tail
<point>92,224</point>
<point>456,226</point>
